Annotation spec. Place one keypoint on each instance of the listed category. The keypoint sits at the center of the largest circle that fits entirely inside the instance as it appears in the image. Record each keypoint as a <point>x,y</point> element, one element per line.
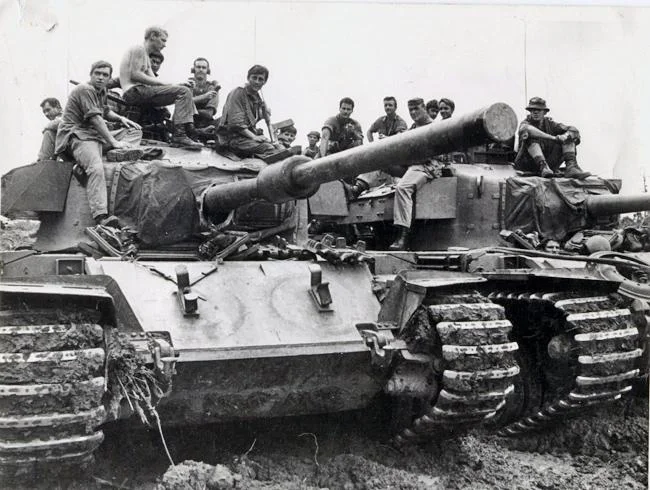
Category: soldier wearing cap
<point>544,144</point>
<point>414,178</point>
<point>287,135</point>
<point>312,150</point>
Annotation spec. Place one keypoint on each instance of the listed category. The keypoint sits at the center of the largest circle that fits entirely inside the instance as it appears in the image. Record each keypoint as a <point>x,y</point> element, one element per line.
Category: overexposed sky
<point>590,63</point>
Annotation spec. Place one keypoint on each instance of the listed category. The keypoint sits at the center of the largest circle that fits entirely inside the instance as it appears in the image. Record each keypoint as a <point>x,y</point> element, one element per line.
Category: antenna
<point>525,61</point>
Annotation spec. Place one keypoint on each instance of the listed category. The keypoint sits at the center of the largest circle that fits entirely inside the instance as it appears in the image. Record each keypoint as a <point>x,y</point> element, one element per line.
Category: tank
<point>212,304</point>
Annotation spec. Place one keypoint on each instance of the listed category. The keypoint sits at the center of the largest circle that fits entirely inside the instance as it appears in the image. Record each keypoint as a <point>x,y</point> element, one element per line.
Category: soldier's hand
<point>121,145</point>
<point>260,139</point>
<point>563,138</point>
<point>211,93</point>
<point>130,124</point>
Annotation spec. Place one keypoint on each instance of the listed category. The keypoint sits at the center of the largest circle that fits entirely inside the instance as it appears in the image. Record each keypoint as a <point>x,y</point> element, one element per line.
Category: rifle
<point>112,97</point>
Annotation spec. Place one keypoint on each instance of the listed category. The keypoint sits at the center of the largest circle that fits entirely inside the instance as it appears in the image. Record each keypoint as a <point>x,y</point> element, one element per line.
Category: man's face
<point>390,107</point>
<point>445,110</point>
<point>159,42</point>
<point>417,112</point>
<point>50,112</point>
<point>155,64</point>
<point>552,247</point>
<point>200,69</point>
<point>345,110</point>
<point>257,81</point>
<point>433,112</point>
<point>537,114</point>
<point>313,140</point>
<point>287,137</point>
<point>99,77</point>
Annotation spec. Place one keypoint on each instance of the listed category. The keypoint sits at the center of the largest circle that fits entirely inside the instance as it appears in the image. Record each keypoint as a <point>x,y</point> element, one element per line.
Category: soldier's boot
<point>352,191</point>
<point>543,168</point>
<point>181,140</point>
<point>573,170</point>
<point>402,238</point>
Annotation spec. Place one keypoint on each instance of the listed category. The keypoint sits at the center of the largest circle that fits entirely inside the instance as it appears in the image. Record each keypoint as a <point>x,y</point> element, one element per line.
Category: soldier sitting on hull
<point>312,150</point>
<point>52,110</point>
<point>544,144</point>
<point>142,88</point>
<point>83,135</point>
<point>414,178</point>
<point>432,109</point>
<point>243,109</point>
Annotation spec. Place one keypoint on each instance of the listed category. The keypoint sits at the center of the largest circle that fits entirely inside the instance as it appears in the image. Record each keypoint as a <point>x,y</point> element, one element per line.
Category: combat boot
<point>544,170</point>
<point>572,169</point>
<point>181,140</point>
<point>401,240</point>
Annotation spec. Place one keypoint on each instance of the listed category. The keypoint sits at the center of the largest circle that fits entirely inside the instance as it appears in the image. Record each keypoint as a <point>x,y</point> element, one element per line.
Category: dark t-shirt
<point>388,126</point>
<point>343,131</point>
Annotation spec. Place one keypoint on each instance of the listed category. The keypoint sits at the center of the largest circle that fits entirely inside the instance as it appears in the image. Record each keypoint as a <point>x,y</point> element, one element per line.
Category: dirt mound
<point>17,233</point>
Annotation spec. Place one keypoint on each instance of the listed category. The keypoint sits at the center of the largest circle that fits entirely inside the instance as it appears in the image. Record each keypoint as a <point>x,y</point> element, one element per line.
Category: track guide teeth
<point>591,381</point>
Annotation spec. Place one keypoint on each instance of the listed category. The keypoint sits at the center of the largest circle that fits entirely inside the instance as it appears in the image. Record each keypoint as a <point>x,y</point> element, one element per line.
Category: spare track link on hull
<point>604,350</point>
<point>51,388</point>
<point>478,365</point>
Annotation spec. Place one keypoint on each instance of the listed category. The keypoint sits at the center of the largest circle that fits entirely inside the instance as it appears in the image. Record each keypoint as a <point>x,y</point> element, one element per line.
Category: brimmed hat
<point>537,103</point>
<point>316,134</point>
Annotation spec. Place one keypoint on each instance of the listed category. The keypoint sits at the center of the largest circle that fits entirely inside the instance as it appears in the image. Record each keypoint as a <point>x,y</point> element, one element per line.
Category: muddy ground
<point>606,449</point>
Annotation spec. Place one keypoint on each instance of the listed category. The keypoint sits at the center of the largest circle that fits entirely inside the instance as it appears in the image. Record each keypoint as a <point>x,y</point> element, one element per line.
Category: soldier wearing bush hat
<point>545,144</point>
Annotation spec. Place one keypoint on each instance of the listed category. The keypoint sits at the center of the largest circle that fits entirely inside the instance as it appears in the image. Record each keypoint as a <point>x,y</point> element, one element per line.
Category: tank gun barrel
<point>609,204</point>
<point>299,177</point>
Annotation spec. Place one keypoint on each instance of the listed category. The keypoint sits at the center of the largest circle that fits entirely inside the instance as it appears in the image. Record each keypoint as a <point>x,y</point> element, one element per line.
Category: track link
<point>603,354</point>
<point>469,336</point>
<point>51,388</point>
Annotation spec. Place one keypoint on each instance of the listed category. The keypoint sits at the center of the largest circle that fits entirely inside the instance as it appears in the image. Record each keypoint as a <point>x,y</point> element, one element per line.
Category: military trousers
<point>88,154</point>
<point>414,178</point>
<point>162,95</point>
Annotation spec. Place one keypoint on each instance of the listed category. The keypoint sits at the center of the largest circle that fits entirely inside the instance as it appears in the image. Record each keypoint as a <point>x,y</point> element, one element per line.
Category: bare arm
<point>325,139</point>
<point>112,116</point>
<point>99,124</point>
<point>536,133</point>
<point>369,135</point>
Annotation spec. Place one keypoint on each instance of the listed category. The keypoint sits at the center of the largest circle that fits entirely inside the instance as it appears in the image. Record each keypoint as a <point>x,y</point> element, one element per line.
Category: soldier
<point>287,135</point>
<point>243,109</point>
<point>432,109</point>
<point>156,59</point>
<point>312,150</point>
<point>83,135</point>
<point>341,132</point>
<point>52,110</point>
<point>544,144</point>
<point>414,178</point>
<point>389,124</point>
<point>142,88</point>
<point>205,92</point>
<point>446,107</point>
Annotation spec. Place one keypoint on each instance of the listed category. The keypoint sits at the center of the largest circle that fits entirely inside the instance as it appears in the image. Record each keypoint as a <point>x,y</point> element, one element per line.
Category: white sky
<point>589,63</point>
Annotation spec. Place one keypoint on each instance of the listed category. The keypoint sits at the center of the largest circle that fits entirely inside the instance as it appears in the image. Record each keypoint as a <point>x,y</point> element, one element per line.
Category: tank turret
<point>298,178</point>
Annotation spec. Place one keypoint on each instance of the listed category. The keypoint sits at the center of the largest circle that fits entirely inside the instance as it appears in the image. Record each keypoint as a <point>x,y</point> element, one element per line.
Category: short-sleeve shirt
<point>242,110</point>
<point>83,103</point>
<point>343,131</point>
<point>388,126</point>
<point>136,59</point>
<point>201,88</point>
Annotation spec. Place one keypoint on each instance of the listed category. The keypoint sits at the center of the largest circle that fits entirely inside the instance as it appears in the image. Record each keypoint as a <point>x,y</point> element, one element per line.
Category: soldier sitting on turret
<point>414,178</point>
<point>544,144</point>
<point>287,135</point>
<point>205,95</point>
<point>341,132</point>
<point>433,109</point>
<point>52,110</point>
<point>243,109</point>
<point>312,150</point>
<point>83,134</point>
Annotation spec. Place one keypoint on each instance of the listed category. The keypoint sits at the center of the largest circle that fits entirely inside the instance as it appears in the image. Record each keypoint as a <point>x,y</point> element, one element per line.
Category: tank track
<point>603,350</point>
<point>51,388</point>
<point>475,361</point>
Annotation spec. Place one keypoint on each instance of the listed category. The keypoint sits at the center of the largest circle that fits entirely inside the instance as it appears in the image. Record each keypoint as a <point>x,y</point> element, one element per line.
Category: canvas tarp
<point>555,208</point>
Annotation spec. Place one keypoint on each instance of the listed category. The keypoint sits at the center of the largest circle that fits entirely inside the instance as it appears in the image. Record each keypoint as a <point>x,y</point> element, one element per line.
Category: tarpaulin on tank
<point>552,207</point>
<point>159,200</point>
